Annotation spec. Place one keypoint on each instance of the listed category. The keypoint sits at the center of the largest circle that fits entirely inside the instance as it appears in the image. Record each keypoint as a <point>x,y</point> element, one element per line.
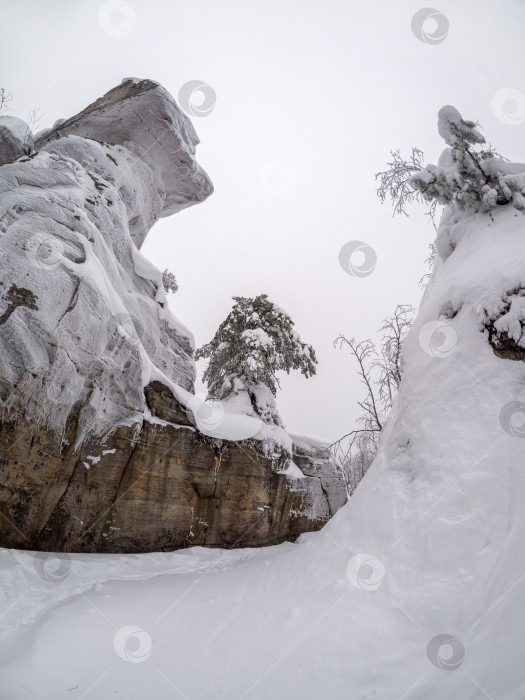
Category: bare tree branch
<point>5,98</point>
<point>395,182</point>
<point>430,262</point>
<point>380,370</point>
<point>34,118</point>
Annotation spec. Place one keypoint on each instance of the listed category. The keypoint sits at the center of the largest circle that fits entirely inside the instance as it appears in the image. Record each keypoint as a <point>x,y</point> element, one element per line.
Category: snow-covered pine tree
<point>254,342</point>
<point>463,175</point>
<point>468,176</point>
<point>169,281</point>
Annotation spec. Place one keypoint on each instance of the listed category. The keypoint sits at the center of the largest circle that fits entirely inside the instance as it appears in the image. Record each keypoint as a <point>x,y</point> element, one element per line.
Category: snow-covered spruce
<point>169,282</point>
<point>469,176</point>
<point>477,187</point>
<point>254,342</point>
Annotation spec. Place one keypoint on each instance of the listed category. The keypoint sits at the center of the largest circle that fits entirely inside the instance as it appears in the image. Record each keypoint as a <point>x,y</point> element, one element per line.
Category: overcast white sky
<point>324,88</point>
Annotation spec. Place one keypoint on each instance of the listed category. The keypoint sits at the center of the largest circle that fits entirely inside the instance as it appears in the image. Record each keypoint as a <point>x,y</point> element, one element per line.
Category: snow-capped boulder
<point>312,457</point>
<point>16,139</point>
<point>99,442</point>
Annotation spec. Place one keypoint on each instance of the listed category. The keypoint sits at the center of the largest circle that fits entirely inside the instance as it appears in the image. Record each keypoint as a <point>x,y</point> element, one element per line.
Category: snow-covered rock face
<point>96,374</point>
<point>83,313</point>
<point>16,139</point>
<point>156,137</point>
<point>442,507</point>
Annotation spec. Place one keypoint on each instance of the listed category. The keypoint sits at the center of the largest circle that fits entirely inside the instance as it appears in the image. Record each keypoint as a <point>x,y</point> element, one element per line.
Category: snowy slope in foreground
<point>440,518</point>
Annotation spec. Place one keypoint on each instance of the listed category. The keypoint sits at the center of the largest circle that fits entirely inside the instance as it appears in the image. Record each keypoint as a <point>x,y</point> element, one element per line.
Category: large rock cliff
<point>101,443</point>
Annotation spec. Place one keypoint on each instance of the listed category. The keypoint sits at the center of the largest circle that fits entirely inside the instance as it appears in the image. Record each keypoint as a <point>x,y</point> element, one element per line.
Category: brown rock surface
<point>152,487</point>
